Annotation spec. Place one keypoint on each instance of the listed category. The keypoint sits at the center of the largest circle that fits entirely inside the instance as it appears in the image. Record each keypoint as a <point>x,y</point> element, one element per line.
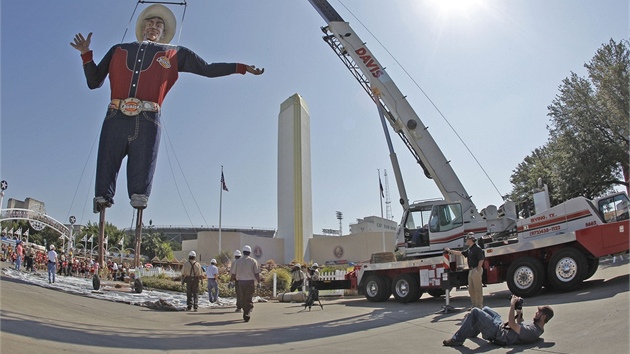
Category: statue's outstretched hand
<point>82,44</point>
<point>252,69</point>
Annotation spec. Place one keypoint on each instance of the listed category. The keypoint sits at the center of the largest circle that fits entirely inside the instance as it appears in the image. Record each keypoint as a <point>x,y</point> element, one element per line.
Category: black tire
<point>420,292</point>
<point>406,288</point>
<point>525,277</point>
<point>137,286</point>
<point>436,292</point>
<point>567,269</point>
<point>376,288</point>
<point>96,282</point>
<point>593,264</point>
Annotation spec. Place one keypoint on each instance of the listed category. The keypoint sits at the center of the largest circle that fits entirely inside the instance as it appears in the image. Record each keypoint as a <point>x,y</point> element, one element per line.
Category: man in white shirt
<point>212,273</point>
<point>52,264</point>
<point>237,256</point>
<point>245,272</point>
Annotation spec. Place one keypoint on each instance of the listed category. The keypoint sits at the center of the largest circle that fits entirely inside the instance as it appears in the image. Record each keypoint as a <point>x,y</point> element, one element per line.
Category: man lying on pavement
<point>489,323</point>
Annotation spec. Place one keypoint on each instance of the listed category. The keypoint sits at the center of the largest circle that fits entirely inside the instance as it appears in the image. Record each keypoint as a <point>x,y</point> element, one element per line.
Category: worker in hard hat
<point>313,272</point>
<point>245,271</point>
<point>212,273</point>
<point>297,278</point>
<point>237,256</point>
<point>192,274</point>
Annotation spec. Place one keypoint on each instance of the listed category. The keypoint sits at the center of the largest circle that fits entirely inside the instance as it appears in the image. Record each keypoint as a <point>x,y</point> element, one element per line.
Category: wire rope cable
<point>427,97</point>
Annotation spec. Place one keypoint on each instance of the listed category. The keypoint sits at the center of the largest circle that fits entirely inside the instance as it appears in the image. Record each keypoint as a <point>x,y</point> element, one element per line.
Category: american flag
<point>223,185</point>
<point>381,186</point>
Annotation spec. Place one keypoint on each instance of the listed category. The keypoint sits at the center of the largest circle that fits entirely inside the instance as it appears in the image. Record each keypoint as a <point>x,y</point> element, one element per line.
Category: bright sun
<point>456,8</point>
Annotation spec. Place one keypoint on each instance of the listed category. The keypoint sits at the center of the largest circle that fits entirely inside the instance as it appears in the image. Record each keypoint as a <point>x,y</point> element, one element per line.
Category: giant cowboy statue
<point>140,74</point>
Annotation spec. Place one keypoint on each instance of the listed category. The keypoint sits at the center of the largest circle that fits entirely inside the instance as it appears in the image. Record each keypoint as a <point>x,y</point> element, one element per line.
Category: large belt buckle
<point>131,106</point>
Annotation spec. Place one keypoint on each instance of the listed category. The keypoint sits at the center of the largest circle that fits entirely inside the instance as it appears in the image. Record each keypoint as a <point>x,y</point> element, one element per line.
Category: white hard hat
<point>315,265</point>
<point>247,249</point>
<point>192,254</point>
<point>237,253</point>
<point>52,247</point>
<point>213,261</point>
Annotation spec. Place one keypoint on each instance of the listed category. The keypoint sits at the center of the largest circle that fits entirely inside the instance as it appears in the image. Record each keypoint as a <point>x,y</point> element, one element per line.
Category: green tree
<point>590,121</point>
<point>588,151</point>
<point>113,234</point>
<point>155,244</point>
<point>524,179</point>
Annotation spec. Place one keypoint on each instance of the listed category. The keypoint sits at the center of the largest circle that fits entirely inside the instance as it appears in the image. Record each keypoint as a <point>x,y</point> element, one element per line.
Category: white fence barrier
<point>336,275</point>
<point>153,272</point>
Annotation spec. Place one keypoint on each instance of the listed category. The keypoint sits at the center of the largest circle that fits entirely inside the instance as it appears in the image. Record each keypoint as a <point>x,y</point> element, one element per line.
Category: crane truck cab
<point>428,227</point>
<point>613,207</point>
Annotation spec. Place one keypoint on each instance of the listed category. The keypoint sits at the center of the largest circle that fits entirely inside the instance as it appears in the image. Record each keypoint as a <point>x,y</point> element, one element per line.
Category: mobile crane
<point>558,246</point>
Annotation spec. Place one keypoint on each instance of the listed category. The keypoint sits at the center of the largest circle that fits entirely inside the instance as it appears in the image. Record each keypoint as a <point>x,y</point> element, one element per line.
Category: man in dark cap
<point>475,257</point>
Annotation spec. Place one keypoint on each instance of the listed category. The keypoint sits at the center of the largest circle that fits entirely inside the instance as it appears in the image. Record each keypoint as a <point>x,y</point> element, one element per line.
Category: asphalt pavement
<point>592,319</point>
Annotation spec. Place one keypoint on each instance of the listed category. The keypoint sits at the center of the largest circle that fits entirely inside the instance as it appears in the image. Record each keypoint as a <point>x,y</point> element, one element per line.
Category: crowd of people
<point>30,258</point>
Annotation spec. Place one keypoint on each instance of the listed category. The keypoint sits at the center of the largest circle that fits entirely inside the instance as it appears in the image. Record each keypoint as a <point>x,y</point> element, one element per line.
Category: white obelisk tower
<point>295,201</point>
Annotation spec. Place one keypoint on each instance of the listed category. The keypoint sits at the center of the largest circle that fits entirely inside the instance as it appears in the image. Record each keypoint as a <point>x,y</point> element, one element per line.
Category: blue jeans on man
<point>51,271</point>
<point>18,262</point>
<point>213,290</point>
<point>138,138</point>
<point>485,321</point>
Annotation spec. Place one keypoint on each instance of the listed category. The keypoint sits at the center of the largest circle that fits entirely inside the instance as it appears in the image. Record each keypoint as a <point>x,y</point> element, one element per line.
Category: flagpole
<point>220,206</point>
<point>380,194</point>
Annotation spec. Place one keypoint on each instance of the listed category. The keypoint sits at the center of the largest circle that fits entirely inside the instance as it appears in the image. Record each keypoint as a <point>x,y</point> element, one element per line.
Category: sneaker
<point>451,343</point>
<point>238,310</point>
<point>246,317</point>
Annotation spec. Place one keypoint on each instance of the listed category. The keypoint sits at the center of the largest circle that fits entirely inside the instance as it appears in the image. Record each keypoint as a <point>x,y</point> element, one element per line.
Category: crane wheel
<point>376,288</point>
<point>406,288</point>
<point>567,269</point>
<point>525,277</point>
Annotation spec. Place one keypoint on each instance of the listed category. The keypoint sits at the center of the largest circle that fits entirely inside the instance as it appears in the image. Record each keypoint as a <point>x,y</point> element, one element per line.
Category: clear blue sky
<point>491,66</point>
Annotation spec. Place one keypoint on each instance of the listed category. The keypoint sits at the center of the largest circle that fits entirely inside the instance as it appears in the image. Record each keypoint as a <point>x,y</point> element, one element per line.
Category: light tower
<point>340,218</point>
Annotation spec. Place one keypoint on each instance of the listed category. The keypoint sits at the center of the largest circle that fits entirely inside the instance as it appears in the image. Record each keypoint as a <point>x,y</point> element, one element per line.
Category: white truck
<point>558,246</point>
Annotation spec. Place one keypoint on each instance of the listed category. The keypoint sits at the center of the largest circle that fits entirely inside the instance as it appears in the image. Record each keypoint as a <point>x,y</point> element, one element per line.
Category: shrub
<point>226,291</point>
<point>167,284</point>
<point>224,258</point>
<point>283,281</point>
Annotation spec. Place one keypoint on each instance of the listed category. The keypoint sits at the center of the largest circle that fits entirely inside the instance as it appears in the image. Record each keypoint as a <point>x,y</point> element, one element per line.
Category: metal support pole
<point>275,283</point>
<point>71,241</point>
<point>138,239</point>
<point>101,238</point>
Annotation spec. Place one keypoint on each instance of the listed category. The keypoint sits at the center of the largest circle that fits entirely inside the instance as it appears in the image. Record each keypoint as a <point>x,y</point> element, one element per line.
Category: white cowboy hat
<point>163,12</point>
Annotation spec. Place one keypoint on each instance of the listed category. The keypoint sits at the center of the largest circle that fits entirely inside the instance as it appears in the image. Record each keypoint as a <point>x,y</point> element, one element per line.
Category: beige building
<point>366,237</point>
<point>207,246</point>
<point>373,224</point>
<point>28,203</point>
<point>354,248</point>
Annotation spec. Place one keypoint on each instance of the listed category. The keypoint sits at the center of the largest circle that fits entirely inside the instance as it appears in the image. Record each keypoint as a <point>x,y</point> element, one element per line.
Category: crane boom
<point>399,113</point>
